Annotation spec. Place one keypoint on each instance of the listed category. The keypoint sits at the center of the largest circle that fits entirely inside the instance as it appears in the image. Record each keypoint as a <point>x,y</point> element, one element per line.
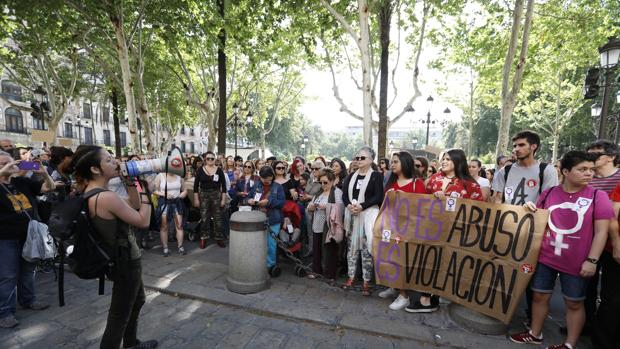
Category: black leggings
<point>127,300</point>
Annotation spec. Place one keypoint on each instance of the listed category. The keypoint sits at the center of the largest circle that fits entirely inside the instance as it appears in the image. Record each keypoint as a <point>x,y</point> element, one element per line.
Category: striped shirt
<point>606,184</point>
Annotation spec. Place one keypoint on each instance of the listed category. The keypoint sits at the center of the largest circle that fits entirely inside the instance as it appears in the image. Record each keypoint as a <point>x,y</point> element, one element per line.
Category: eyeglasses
<point>360,158</point>
<point>209,159</point>
<point>280,168</point>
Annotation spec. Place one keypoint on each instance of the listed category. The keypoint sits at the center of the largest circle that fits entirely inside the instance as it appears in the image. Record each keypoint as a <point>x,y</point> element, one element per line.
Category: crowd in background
<point>325,211</point>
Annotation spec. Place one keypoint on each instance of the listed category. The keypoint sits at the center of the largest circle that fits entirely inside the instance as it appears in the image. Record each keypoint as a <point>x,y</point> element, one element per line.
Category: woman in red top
<point>407,179</point>
<point>453,180</point>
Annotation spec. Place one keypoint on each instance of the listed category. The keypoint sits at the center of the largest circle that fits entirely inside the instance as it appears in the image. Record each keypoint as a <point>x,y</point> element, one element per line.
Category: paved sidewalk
<point>188,306</point>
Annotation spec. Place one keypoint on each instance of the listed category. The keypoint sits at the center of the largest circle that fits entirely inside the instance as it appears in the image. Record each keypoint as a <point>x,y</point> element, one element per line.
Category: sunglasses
<point>598,155</point>
<point>248,166</point>
<point>209,159</point>
<point>418,166</point>
<point>316,169</point>
<point>360,158</point>
<point>324,183</point>
<point>280,168</point>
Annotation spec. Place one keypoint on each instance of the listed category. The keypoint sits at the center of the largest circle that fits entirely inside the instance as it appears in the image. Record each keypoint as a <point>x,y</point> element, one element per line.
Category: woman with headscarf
<point>362,196</point>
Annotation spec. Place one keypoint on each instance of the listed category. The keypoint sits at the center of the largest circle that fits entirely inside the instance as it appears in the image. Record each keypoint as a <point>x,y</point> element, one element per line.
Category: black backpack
<point>70,224</point>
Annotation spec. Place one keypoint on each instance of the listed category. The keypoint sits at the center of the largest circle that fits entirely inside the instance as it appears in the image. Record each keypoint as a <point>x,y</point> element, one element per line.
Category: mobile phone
<point>28,166</point>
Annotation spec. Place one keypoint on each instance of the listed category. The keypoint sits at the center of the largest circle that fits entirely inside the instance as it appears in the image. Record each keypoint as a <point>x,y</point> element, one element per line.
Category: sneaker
<point>417,307</point>
<point>275,271</point>
<point>166,252</point>
<point>181,251</point>
<point>560,346</point>
<point>526,338</point>
<point>400,303</point>
<point>36,306</point>
<point>388,293</point>
<point>8,322</point>
<point>152,344</point>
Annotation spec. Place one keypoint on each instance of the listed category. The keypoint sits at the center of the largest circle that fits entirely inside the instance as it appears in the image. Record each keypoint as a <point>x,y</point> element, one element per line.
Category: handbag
<point>39,244</point>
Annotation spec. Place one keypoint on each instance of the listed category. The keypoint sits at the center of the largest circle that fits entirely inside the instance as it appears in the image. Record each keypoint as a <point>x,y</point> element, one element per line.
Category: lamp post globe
<point>596,110</point>
<point>609,53</point>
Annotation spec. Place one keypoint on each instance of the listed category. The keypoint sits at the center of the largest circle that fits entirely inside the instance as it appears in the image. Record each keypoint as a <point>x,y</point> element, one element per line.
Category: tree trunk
<point>385,16</point>
<point>509,94</point>
<point>365,56</point>
<point>123,58</point>
<point>221,70</point>
<point>147,132</point>
<point>116,121</point>
<point>470,142</point>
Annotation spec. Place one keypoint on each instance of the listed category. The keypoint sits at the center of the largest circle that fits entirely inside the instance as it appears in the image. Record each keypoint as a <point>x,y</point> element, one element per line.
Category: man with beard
<point>523,181</point>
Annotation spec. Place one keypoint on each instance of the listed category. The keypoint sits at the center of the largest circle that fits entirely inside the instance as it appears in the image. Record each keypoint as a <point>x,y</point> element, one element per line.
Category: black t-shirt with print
<point>13,221</point>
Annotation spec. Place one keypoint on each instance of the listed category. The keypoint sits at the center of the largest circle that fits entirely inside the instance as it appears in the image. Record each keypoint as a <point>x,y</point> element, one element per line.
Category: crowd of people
<point>328,210</point>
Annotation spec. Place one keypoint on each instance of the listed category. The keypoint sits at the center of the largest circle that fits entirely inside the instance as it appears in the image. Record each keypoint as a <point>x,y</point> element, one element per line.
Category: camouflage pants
<point>210,208</point>
<point>366,261</point>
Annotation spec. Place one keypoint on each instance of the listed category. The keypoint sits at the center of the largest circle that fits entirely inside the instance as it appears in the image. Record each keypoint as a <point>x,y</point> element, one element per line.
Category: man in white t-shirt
<point>475,167</point>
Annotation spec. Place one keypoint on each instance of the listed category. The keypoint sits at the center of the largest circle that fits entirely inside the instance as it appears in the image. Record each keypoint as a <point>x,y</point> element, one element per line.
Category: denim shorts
<point>170,207</point>
<point>573,287</point>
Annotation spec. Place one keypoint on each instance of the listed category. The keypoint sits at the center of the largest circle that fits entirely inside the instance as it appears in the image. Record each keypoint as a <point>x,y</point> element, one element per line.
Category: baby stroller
<point>290,230</point>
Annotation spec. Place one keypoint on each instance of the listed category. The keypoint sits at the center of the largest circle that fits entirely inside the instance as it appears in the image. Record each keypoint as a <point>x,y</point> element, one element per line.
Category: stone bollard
<point>475,321</point>
<point>247,259</point>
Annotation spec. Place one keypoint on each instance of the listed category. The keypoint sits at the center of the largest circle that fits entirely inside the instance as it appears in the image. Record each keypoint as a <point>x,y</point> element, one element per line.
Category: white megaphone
<point>173,163</point>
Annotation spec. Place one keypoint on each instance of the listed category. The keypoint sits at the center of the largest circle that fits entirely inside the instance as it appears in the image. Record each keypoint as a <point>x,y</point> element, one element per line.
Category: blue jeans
<point>272,247</point>
<point>16,278</point>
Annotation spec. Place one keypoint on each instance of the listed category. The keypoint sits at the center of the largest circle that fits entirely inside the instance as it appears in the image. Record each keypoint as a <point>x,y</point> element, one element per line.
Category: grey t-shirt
<point>522,184</point>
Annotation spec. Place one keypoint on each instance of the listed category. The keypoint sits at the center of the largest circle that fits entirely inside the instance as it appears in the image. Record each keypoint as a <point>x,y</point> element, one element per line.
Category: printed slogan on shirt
<point>25,203</point>
<point>477,254</point>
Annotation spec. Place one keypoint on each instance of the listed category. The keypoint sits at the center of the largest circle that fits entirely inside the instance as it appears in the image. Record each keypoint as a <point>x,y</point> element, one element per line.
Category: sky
<point>323,109</point>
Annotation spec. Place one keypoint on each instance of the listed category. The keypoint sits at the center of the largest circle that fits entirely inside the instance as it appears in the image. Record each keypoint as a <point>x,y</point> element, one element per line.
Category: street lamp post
<point>609,54</point>
<point>139,134</point>
<point>428,120</point>
<point>249,119</point>
<point>79,126</point>
<point>41,106</point>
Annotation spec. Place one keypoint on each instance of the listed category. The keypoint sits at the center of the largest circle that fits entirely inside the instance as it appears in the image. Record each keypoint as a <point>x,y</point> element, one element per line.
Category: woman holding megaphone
<point>111,217</point>
<point>210,196</point>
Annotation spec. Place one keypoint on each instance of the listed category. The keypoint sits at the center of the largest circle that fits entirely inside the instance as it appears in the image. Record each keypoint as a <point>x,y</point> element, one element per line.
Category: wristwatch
<point>592,260</point>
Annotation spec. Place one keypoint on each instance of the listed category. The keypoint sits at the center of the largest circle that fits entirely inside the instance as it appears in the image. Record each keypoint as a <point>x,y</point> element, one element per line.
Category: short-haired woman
<point>268,196</point>
<point>362,196</point>
<point>328,210</point>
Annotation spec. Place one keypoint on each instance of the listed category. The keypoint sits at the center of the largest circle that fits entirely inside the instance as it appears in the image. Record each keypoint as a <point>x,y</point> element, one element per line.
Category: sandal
<point>347,285</point>
<point>366,289</point>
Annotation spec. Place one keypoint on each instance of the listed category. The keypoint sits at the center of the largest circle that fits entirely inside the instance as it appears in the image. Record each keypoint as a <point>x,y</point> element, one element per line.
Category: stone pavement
<point>188,306</point>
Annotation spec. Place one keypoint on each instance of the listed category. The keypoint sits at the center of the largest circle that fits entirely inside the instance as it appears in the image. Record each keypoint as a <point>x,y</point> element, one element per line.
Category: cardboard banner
<point>477,254</point>
<point>42,136</point>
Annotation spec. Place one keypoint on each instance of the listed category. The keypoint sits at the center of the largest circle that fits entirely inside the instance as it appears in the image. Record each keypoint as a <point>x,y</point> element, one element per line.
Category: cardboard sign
<point>42,136</point>
<point>477,254</point>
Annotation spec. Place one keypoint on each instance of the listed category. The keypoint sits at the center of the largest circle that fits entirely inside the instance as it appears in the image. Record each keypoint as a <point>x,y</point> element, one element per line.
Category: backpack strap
<point>541,176</point>
<point>506,170</point>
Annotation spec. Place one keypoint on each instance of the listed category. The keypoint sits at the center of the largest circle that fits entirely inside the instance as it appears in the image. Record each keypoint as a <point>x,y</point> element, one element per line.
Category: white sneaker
<point>388,293</point>
<point>400,303</point>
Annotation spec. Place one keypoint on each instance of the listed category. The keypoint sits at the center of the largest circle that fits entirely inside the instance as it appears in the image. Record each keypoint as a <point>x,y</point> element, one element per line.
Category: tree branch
<point>340,18</point>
